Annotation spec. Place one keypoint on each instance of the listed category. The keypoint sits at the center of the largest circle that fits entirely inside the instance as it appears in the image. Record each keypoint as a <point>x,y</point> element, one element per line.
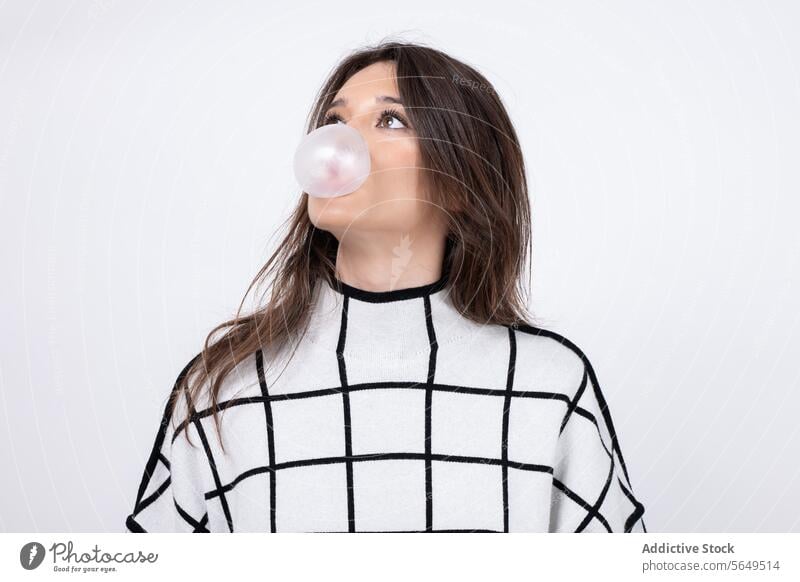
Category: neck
<point>391,261</point>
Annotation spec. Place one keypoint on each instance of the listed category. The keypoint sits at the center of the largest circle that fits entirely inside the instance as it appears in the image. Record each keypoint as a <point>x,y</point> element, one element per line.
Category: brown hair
<point>474,169</point>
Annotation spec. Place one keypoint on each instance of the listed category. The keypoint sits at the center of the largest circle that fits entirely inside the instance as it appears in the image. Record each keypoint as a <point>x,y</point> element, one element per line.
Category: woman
<point>390,382</point>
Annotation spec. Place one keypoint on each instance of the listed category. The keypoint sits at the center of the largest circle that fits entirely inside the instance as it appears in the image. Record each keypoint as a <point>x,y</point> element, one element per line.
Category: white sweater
<point>396,413</point>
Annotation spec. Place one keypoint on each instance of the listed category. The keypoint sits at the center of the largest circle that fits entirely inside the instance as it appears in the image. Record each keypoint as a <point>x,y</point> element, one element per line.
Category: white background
<point>145,167</point>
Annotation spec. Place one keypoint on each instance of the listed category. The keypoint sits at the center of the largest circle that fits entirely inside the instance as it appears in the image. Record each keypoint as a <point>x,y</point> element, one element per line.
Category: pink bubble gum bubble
<point>333,160</point>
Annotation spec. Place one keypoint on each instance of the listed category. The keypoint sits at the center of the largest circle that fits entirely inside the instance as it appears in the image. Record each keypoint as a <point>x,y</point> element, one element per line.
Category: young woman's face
<point>392,199</point>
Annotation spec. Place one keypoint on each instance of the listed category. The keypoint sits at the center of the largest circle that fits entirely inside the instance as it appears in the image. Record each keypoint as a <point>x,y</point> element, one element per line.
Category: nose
<point>361,122</point>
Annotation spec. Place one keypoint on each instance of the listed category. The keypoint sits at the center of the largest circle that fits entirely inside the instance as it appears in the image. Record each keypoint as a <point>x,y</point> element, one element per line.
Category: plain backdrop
<point>145,167</point>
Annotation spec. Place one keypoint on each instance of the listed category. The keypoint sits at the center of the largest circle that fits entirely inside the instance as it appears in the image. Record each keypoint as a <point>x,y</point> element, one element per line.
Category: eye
<point>393,114</point>
<point>333,117</point>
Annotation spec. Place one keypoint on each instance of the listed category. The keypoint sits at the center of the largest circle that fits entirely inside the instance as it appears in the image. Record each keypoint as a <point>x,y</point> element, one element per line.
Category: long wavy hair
<point>473,167</point>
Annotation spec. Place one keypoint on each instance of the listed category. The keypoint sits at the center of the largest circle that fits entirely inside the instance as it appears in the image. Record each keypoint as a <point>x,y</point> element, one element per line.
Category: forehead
<point>376,78</point>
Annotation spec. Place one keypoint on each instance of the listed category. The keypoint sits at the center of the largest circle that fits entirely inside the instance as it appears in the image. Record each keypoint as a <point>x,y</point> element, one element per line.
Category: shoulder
<point>241,381</point>
<point>548,361</point>
<point>551,343</point>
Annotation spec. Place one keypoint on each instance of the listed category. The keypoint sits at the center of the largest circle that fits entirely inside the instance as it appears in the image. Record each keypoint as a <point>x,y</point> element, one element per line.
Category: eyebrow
<point>342,101</point>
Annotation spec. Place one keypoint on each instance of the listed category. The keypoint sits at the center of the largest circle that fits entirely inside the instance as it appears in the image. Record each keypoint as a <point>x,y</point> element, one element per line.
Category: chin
<point>348,204</point>
<point>332,214</point>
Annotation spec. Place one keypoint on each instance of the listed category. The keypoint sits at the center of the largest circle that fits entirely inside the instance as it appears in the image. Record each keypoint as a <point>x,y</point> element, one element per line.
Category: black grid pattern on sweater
<point>593,507</point>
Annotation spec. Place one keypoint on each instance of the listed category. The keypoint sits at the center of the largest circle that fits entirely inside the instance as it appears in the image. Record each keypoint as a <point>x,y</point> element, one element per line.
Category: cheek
<point>396,192</point>
<point>395,167</point>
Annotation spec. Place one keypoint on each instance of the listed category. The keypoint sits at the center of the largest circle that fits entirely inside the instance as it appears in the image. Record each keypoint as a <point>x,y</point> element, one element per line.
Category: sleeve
<point>170,497</point>
<point>591,490</point>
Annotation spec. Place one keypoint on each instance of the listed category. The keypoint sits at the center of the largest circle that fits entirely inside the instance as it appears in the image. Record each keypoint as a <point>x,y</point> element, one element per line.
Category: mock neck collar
<point>385,326</point>
<point>435,288</point>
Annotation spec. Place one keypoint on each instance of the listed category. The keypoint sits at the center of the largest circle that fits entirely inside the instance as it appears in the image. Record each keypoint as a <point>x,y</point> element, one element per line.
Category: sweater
<point>394,412</point>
